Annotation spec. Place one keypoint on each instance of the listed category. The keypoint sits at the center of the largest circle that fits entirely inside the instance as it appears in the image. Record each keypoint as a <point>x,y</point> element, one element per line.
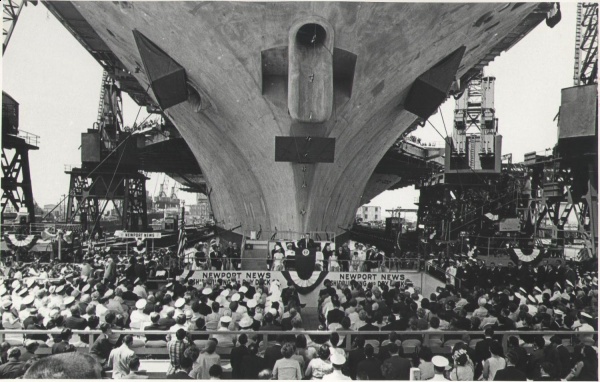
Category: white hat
<point>68,300</point>
<point>523,290</point>
<point>246,322</point>
<point>140,304</point>
<point>538,289</point>
<point>251,304</point>
<point>6,304</point>
<point>568,282</point>
<point>440,361</point>
<point>180,302</point>
<point>27,300</point>
<point>23,292</point>
<point>52,289</point>
<point>224,293</point>
<point>576,324</point>
<point>584,314</point>
<point>337,358</point>
<point>559,312</point>
<point>206,291</point>
<point>109,293</point>
<point>15,284</point>
<point>225,320</point>
<point>273,311</point>
<point>235,297</point>
<point>30,282</point>
<point>60,288</point>
<point>243,289</point>
<point>169,285</point>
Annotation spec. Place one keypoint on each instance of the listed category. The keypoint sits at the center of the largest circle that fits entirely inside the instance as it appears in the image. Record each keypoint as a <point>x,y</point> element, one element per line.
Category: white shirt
<point>336,375</point>
<point>139,319</point>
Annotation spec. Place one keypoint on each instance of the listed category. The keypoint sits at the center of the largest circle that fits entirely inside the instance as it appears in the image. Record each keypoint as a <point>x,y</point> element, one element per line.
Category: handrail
<point>347,334</point>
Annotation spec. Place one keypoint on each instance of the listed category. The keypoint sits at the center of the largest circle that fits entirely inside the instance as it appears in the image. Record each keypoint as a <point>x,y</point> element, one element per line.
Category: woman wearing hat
<point>463,370</point>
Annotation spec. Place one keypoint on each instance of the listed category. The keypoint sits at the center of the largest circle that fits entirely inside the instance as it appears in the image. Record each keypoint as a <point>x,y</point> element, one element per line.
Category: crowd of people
<point>117,297</point>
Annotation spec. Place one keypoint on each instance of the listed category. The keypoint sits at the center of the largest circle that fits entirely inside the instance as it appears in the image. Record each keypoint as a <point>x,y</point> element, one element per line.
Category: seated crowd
<point>102,296</point>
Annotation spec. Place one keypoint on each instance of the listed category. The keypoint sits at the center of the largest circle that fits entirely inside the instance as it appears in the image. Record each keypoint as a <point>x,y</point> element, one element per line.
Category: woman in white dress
<point>334,266</point>
<point>278,261</point>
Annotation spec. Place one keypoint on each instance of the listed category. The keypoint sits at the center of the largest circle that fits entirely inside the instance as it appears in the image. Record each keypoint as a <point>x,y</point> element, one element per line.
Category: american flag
<point>182,240</point>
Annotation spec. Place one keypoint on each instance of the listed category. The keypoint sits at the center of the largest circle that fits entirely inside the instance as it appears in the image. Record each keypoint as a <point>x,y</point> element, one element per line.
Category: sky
<point>57,83</point>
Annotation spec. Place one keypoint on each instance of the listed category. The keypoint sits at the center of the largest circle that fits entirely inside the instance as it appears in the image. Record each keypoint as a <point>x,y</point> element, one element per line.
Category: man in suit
<point>482,351</point>
<point>237,355</point>
<point>370,367</point>
<point>75,321</point>
<point>273,353</point>
<point>286,323</point>
<point>306,242</point>
<point>252,364</point>
<point>395,368</point>
<point>336,314</point>
<point>355,356</point>
<point>563,354</point>
<point>511,372</point>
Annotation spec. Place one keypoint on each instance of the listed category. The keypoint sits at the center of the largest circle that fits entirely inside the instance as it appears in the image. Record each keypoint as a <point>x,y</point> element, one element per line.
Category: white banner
<point>138,235</point>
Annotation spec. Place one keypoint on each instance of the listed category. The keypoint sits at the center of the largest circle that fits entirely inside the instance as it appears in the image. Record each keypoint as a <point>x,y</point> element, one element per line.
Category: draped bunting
<point>21,241</point>
<point>305,286</point>
<point>530,256</point>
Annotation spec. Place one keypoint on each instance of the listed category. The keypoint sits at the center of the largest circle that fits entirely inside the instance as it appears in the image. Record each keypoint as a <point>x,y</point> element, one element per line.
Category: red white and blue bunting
<point>21,241</point>
<point>305,286</point>
<point>530,256</point>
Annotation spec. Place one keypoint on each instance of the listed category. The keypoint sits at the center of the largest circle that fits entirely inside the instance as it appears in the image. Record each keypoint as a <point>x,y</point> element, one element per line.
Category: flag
<point>182,240</point>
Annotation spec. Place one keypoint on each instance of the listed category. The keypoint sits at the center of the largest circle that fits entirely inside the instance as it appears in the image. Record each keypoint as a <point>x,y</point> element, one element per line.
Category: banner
<point>138,235</point>
<point>364,278</point>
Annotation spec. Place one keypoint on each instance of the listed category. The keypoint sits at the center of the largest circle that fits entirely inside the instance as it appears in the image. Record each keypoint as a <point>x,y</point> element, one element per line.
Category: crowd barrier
<point>440,342</point>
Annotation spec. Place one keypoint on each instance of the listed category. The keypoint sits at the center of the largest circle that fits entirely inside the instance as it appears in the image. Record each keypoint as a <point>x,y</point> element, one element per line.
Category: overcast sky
<point>57,83</point>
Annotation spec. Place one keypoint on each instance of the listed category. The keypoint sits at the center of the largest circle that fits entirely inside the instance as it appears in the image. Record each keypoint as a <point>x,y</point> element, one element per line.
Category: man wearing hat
<point>139,289</point>
<point>337,361</point>
<point>138,318</point>
<point>439,366</point>
<point>224,339</point>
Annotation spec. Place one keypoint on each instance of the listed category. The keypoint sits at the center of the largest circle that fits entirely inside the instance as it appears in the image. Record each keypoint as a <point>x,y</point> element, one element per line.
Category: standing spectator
<point>102,347</point>
<point>205,360</point>
<point>494,363</point>
<point>273,353</point>
<point>252,364</point>
<point>287,368</point>
<point>463,370</point>
<point>176,347</point>
<point>337,361</point>
<point>370,366</point>
<point>119,358</point>
<point>563,354</point>
<point>586,364</point>
<point>13,368</point>
<point>513,345</point>
<point>320,365</point>
<point>237,354</point>
<point>395,367</point>
<point>215,372</point>
<point>439,364</point>
<point>356,355</point>
<point>511,372</point>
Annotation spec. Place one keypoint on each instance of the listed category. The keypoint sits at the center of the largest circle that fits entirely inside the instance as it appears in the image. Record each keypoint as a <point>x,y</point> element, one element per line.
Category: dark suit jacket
<point>354,357</point>
<point>237,355</point>
<point>272,354</point>
<point>482,350</point>
<point>396,368</point>
<point>565,357</point>
<point>75,323</point>
<point>286,323</point>
<point>335,315</point>
<point>371,367</point>
<point>252,365</point>
<point>510,373</point>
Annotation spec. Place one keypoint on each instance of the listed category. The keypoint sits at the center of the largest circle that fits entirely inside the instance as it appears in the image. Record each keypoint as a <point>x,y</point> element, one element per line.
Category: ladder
<point>102,93</point>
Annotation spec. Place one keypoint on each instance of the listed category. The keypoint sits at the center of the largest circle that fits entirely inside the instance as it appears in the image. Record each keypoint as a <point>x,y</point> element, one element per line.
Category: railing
<point>288,235</point>
<point>30,138</point>
<point>430,338</point>
<point>37,228</point>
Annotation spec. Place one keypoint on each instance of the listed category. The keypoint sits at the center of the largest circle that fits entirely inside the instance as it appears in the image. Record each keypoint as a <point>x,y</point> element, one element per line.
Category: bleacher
<point>155,359</point>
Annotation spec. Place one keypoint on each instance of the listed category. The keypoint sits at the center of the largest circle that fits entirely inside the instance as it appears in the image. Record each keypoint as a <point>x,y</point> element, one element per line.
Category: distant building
<point>201,211</point>
<point>369,214</point>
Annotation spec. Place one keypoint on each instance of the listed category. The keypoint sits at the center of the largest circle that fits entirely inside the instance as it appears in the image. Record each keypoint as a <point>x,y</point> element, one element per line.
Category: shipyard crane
<point>11,10</point>
<point>586,45</point>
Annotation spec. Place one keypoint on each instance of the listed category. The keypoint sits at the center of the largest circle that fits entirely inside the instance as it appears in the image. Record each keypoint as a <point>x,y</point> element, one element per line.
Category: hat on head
<point>30,342</point>
<point>68,300</point>
<point>86,288</point>
<point>570,283</point>
<point>337,358</point>
<point>23,292</point>
<point>225,320</point>
<point>180,302</point>
<point>137,281</point>
<point>523,290</point>
<point>27,300</point>
<point>109,293</point>
<point>273,311</point>
<point>15,284</point>
<point>207,291</point>
<point>246,322</point>
<point>60,288</point>
<point>224,293</point>
<point>140,304</point>
<point>537,288</point>
<point>6,304</point>
<point>251,304</point>
<point>30,282</point>
<point>243,289</point>
<point>584,314</point>
<point>169,285</point>
<point>532,299</point>
<point>235,297</point>
<point>440,361</point>
<point>33,310</point>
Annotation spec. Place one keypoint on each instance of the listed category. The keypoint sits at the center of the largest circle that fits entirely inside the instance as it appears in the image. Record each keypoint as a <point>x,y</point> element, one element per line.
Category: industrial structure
<point>292,121</point>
